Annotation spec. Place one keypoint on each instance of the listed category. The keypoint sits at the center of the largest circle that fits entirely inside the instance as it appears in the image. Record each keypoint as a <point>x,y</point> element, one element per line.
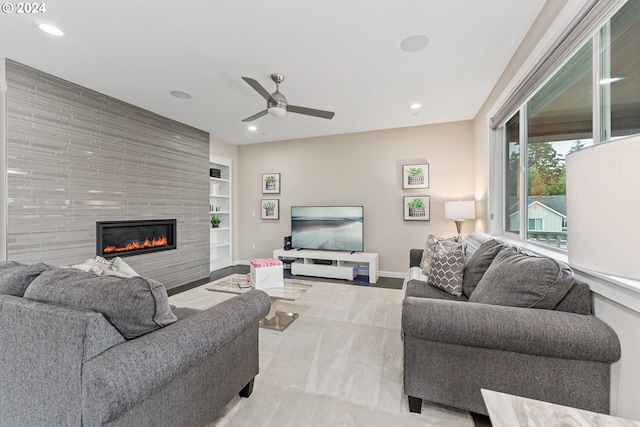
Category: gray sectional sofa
<point>519,324</point>
<point>85,350</point>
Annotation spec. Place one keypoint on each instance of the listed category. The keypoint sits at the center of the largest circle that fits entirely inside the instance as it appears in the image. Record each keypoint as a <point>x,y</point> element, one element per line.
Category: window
<point>512,174</point>
<point>535,224</point>
<point>620,80</point>
<point>559,118</point>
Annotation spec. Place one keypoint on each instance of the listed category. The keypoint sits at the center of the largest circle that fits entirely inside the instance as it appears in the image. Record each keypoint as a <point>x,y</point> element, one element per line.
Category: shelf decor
<point>415,176</point>
<point>270,183</point>
<point>270,209</point>
<point>416,208</point>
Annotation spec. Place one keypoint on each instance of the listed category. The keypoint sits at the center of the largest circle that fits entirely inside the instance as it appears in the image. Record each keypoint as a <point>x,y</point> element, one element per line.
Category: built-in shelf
<point>220,203</point>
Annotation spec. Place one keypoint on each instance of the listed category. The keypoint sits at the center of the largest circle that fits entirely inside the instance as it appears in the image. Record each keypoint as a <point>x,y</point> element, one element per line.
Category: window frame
<point>499,220</point>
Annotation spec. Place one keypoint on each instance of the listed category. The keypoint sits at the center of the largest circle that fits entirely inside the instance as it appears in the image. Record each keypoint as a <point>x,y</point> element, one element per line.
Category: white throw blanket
<point>103,267</point>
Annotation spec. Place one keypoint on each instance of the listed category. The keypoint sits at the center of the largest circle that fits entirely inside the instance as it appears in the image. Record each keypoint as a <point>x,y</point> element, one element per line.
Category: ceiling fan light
<point>277,111</point>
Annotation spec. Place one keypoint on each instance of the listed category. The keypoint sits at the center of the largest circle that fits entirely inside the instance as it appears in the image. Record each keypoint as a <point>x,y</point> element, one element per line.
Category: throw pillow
<point>446,269</point>
<point>478,264</point>
<point>519,279</point>
<point>432,242</point>
<point>15,278</point>
<point>133,305</point>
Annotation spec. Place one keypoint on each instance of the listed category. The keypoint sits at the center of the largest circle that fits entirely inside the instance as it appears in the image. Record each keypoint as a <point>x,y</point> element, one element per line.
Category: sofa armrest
<point>126,374</point>
<point>539,332</point>
<point>415,256</point>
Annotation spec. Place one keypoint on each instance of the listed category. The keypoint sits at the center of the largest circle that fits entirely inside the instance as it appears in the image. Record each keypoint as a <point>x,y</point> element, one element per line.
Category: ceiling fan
<point>277,104</point>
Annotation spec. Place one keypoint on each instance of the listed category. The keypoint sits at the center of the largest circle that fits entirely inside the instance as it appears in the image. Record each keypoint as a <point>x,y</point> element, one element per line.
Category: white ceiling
<point>338,55</point>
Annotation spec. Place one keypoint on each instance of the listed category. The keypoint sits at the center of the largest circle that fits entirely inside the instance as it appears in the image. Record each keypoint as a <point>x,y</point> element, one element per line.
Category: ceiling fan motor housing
<point>279,107</point>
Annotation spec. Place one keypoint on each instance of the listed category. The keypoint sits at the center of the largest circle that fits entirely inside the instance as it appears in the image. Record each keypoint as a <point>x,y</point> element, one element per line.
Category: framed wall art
<point>416,208</point>
<point>270,183</point>
<point>270,208</point>
<point>415,176</point>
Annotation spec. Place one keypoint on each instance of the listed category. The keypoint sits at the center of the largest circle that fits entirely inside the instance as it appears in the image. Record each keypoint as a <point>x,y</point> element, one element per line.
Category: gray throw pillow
<point>446,269</point>
<point>519,279</point>
<point>15,278</point>
<point>479,263</point>
<point>432,242</point>
<point>133,305</point>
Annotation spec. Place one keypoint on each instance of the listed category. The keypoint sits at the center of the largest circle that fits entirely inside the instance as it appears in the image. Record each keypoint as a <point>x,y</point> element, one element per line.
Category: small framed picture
<point>270,183</point>
<point>270,209</point>
<point>416,208</point>
<point>415,176</point>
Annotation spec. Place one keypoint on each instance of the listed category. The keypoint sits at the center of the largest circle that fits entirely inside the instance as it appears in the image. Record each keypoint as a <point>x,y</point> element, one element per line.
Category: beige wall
<point>357,169</point>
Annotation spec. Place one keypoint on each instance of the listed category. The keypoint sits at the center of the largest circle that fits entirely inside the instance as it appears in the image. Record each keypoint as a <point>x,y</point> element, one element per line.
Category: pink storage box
<point>266,273</point>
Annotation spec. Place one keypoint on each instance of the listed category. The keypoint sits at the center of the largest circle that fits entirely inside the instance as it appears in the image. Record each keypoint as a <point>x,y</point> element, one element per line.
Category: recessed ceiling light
<point>415,106</point>
<point>414,43</point>
<point>50,29</point>
<point>180,94</point>
<point>252,128</point>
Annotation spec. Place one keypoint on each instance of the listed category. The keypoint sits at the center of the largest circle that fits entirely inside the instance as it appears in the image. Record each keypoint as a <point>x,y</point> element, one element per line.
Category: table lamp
<point>459,211</point>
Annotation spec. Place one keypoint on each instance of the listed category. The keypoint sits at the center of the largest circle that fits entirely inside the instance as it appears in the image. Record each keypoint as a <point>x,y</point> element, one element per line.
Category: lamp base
<point>459,229</point>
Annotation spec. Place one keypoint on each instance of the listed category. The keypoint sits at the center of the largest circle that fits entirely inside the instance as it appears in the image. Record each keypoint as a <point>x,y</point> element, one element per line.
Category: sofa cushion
<point>433,241</point>
<point>521,279</point>
<point>134,305</point>
<point>16,277</point>
<point>478,264</point>
<point>446,268</point>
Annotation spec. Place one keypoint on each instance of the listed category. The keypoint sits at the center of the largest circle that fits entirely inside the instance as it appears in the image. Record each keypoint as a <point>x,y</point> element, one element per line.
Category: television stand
<point>342,263</point>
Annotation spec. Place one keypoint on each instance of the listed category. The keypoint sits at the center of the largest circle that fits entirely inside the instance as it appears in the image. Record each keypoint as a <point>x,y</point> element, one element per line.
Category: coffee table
<point>276,320</point>
<point>507,410</point>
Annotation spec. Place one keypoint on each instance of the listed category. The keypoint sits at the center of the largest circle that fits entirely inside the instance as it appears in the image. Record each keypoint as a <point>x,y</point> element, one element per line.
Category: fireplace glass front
<point>126,238</point>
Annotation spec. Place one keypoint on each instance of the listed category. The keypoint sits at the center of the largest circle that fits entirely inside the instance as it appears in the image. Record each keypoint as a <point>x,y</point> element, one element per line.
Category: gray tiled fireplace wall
<point>75,156</point>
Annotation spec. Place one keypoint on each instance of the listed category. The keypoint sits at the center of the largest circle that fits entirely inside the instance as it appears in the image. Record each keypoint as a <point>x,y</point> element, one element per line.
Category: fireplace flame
<point>156,241</point>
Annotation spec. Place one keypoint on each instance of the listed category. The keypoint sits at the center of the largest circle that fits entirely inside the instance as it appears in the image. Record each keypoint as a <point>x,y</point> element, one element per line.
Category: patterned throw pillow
<point>432,242</point>
<point>446,268</point>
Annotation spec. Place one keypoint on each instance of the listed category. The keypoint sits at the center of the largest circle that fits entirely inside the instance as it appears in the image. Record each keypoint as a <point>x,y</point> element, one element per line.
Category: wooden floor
<point>383,282</point>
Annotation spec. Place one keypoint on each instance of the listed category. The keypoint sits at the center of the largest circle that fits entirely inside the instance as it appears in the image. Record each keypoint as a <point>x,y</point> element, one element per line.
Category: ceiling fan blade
<point>255,116</point>
<point>258,88</point>
<point>310,111</point>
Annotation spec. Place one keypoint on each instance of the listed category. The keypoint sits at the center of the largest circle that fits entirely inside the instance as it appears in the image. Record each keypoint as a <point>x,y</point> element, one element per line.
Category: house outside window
<point>559,119</point>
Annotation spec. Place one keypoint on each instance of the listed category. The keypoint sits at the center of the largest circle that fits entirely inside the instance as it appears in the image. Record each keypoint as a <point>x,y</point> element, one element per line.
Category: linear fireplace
<point>126,238</point>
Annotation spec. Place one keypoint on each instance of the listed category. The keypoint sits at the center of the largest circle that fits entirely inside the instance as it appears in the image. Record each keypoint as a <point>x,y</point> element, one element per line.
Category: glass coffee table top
<point>292,289</point>
<point>277,320</point>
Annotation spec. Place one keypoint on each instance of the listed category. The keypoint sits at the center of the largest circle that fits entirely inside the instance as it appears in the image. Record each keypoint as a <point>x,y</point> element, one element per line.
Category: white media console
<point>343,264</point>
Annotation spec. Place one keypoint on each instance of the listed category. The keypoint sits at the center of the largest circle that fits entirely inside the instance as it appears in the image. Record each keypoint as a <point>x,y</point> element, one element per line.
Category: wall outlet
<point>253,213</point>
<point>253,246</point>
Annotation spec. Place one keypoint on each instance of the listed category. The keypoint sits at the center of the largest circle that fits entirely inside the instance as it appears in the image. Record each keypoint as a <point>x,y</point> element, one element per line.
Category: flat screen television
<point>331,228</point>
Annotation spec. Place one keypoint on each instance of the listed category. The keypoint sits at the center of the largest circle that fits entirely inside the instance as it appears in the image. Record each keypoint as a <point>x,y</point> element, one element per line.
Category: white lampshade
<point>277,111</point>
<point>602,207</point>
<point>460,210</point>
